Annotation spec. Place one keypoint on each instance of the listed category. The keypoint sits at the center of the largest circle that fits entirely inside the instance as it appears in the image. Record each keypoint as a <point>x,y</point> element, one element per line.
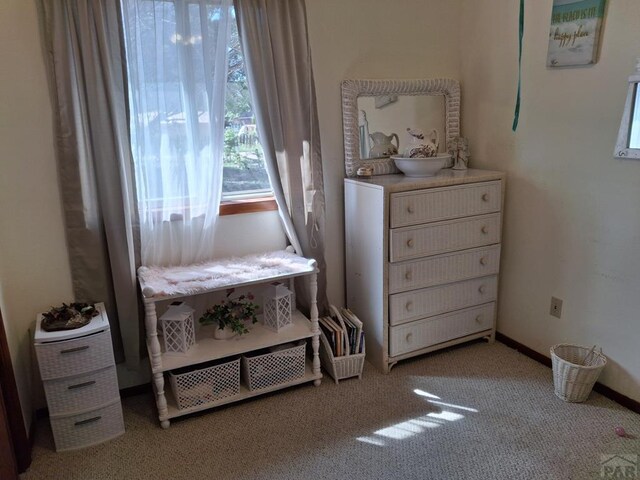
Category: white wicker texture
<point>347,365</point>
<point>178,330</point>
<point>343,367</point>
<point>442,237</point>
<point>276,307</point>
<point>206,385</point>
<point>274,368</point>
<point>427,302</point>
<point>74,357</point>
<point>572,379</point>
<point>446,268</point>
<point>435,204</point>
<point>431,331</point>
<point>75,394</point>
<point>352,89</point>
<point>88,428</point>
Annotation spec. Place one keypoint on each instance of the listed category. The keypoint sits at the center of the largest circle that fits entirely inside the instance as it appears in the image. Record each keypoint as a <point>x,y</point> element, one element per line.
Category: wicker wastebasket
<point>575,370</point>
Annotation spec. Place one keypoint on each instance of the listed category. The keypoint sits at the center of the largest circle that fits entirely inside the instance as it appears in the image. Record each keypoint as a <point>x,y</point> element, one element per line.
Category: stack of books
<point>343,332</point>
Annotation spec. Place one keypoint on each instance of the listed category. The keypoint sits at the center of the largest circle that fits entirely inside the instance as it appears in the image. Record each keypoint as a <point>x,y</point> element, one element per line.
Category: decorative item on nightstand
<point>382,144</point>
<point>276,308</point>
<point>79,376</point>
<point>178,328</point>
<point>231,315</point>
<point>458,147</point>
<point>419,147</point>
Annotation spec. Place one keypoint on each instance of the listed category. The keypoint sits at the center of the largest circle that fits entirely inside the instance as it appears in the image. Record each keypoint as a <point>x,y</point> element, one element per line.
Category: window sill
<point>249,205</point>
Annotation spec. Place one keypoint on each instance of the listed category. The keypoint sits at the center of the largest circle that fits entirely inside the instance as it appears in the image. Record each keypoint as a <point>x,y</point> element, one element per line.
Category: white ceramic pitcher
<point>382,146</point>
<point>419,146</point>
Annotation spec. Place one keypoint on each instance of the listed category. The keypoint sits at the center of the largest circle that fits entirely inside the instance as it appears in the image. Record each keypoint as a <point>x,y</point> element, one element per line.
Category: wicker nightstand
<point>80,382</point>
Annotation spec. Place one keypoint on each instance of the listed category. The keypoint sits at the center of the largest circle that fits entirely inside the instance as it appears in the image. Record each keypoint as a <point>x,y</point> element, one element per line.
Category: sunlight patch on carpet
<point>422,393</point>
<point>451,405</point>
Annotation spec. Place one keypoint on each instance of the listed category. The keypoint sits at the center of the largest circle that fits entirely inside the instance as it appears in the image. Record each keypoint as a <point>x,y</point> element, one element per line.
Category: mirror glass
<point>383,122</point>
<point>634,133</point>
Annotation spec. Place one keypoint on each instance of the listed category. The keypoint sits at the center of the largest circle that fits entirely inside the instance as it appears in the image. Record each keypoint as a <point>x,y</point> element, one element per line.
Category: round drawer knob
<point>409,208</point>
<point>484,229</point>
<point>479,319</point>
<point>408,275</point>
<point>409,306</point>
<point>482,289</point>
<point>483,261</point>
<point>409,337</point>
<point>410,243</point>
<point>485,197</point>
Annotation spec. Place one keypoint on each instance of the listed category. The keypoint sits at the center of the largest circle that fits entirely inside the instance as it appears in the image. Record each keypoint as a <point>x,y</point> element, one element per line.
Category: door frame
<point>15,421</point>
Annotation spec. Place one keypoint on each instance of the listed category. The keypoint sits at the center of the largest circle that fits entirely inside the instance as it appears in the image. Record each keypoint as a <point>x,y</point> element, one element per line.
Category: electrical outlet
<point>556,307</point>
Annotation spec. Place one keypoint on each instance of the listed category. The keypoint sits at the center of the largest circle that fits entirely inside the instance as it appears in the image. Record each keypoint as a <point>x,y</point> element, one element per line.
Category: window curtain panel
<point>177,72</point>
<point>83,46</point>
<point>275,45</point>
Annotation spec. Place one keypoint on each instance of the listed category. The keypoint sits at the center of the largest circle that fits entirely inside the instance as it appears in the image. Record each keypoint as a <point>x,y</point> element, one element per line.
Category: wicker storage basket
<point>575,371</point>
<point>204,385</point>
<point>274,368</point>
<point>346,366</point>
<point>343,367</point>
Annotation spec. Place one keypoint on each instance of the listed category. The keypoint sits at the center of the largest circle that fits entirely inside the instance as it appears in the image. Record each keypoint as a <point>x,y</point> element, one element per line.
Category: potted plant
<point>230,315</point>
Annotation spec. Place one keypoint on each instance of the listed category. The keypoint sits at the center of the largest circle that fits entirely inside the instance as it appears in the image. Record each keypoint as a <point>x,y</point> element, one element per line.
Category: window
<point>179,87</point>
<point>244,171</point>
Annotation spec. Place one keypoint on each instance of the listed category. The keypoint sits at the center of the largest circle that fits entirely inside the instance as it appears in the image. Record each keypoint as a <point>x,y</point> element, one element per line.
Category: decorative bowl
<point>421,167</point>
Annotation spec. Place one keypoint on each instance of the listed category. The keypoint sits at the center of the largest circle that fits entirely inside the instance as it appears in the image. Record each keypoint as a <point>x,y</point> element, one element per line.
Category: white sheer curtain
<point>177,70</point>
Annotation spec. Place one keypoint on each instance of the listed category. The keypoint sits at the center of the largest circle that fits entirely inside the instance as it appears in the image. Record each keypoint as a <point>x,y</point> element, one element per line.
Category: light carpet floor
<point>481,411</point>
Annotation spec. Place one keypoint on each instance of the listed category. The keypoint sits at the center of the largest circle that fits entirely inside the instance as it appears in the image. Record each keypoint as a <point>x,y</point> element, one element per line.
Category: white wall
<point>34,272</point>
<point>370,39</point>
<point>572,227</point>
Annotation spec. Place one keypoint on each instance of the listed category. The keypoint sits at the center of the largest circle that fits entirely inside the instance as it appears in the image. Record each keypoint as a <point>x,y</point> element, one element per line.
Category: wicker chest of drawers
<point>80,382</point>
<point>422,260</point>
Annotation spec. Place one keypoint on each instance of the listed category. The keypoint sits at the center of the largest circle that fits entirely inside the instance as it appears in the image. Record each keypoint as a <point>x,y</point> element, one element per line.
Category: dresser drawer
<point>74,357</point>
<point>432,205</point>
<point>447,268</point>
<point>441,237</point>
<point>427,302</point>
<point>88,428</point>
<point>431,331</point>
<point>82,392</point>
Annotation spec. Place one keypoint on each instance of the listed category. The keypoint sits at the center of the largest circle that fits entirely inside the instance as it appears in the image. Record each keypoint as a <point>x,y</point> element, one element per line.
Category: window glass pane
<point>634,137</point>
<point>173,111</point>
<point>244,168</point>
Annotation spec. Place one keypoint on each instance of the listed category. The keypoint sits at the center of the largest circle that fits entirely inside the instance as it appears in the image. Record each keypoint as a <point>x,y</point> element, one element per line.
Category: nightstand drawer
<point>447,268</point>
<point>427,302</point>
<point>431,331</point>
<point>74,357</point>
<point>74,394</point>
<point>433,205</point>
<point>87,428</point>
<point>442,237</point>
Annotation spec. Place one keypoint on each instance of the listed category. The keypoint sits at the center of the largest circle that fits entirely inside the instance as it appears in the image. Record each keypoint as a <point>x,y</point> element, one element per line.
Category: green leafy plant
<point>231,312</point>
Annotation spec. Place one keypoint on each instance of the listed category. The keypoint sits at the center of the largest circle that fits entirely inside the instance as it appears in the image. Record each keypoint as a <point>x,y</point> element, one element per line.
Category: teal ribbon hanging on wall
<point>516,114</point>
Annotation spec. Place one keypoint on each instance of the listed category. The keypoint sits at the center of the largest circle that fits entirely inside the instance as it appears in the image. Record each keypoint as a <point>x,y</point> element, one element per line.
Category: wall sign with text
<point>575,32</point>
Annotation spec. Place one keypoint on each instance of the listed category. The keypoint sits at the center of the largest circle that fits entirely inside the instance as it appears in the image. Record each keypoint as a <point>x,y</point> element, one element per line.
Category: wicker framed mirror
<point>386,90</point>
